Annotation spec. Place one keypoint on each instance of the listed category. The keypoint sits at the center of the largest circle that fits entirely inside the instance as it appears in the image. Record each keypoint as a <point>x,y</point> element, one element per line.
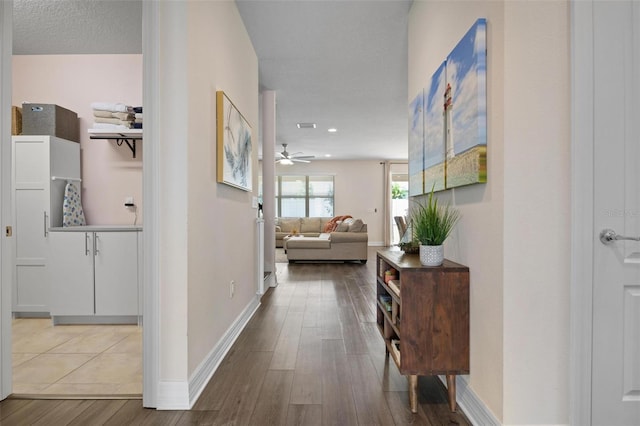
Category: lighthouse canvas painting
<point>464,109</point>
<point>434,139</point>
<point>416,145</point>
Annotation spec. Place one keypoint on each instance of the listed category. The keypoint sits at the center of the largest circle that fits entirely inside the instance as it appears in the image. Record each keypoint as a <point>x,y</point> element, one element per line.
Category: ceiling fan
<point>287,159</point>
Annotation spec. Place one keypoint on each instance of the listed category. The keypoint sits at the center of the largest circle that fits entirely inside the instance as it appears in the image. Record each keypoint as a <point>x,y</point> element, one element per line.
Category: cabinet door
<point>116,273</point>
<point>30,198</point>
<point>70,268</point>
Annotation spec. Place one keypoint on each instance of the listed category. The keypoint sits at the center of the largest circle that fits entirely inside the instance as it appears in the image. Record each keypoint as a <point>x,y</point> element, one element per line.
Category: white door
<point>616,271</point>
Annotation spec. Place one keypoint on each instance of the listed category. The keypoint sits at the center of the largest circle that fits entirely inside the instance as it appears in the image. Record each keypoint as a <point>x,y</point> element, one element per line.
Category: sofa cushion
<point>288,225</point>
<point>310,224</point>
<point>348,237</point>
<point>320,242</point>
<point>356,226</point>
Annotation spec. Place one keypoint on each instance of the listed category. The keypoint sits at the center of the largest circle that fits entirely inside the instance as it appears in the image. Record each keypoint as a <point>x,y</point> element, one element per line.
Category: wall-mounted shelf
<point>129,137</point>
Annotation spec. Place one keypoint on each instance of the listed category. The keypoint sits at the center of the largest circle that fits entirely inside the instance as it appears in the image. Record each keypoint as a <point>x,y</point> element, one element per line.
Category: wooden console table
<point>423,316</point>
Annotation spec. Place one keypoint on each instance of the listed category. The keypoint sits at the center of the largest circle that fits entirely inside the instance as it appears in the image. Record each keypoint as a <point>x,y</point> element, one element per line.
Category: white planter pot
<point>431,255</point>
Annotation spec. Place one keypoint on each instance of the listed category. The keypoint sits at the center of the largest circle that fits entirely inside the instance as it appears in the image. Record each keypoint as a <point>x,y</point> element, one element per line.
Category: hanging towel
<point>72,214</point>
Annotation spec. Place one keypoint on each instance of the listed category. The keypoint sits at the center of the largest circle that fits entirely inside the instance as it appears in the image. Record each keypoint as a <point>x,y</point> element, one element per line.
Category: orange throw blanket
<point>333,223</point>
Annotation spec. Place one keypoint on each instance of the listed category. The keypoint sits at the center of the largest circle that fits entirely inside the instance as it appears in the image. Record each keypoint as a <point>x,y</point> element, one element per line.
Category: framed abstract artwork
<point>234,150</point>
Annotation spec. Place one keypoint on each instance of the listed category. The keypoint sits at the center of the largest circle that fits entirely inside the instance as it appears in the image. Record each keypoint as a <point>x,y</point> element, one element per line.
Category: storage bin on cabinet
<point>425,324</point>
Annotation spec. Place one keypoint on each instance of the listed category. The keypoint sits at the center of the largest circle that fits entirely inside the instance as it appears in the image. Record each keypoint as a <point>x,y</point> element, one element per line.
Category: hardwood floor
<point>311,355</point>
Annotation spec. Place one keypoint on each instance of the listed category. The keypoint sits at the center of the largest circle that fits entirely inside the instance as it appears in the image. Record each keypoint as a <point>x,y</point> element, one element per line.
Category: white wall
<point>208,229</point>
<point>109,173</point>
<point>537,211</point>
<point>514,231</point>
<point>221,220</point>
<point>359,190</point>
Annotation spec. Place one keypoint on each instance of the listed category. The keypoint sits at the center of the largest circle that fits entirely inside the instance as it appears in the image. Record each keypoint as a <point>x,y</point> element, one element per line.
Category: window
<point>304,196</point>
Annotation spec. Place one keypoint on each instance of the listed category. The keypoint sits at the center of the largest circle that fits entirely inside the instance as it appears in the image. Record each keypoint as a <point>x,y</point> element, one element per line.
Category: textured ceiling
<point>76,27</point>
<point>339,64</point>
<point>336,63</point>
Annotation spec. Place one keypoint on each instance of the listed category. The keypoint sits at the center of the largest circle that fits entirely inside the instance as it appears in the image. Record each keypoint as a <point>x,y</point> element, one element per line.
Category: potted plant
<point>432,224</point>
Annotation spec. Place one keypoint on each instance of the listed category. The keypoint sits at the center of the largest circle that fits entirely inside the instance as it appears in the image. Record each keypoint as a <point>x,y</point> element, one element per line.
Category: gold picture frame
<point>234,146</point>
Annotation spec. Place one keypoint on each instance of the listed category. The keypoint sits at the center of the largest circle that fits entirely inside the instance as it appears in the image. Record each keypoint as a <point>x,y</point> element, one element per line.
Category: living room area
<point>357,190</point>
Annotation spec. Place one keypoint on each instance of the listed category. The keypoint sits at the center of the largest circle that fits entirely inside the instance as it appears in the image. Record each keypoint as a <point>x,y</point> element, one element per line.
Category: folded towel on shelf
<point>137,109</point>
<point>72,213</point>
<point>136,126</point>
<point>112,121</point>
<point>107,126</point>
<point>110,106</point>
<point>138,115</point>
<point>126,116</point>
<point>103,114</point>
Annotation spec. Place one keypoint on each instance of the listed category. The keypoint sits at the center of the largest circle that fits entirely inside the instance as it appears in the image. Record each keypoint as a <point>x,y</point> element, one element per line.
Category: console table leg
<point>413,393</point>
<point>451,388</point>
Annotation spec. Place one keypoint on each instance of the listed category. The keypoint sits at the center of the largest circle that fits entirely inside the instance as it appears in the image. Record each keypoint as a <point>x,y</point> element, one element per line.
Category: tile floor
<point>76,360</point>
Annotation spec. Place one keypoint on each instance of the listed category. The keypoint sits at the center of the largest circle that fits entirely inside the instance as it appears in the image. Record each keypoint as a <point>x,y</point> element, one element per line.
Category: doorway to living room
<point>399,206</point>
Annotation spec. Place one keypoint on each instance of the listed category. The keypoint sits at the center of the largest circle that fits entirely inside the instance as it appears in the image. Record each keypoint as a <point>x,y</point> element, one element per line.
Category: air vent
<point>306,125</point>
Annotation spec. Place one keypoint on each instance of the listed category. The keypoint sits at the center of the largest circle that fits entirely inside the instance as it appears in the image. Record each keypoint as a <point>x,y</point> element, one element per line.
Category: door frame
<point>151,197</point>
<point>150,262</point>
<point>582,215</point>
<point>7,257</point>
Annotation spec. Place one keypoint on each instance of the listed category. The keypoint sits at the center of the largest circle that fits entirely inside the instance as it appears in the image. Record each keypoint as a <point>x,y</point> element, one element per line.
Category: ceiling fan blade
<point>281,155</point>
<point>302,157</point>
<point>297,160</point>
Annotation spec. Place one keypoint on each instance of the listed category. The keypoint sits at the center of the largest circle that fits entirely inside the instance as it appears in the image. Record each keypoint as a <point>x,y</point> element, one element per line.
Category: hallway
<point>311,355</point>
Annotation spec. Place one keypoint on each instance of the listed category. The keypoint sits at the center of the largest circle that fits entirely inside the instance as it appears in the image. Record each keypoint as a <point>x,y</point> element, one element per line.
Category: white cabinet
<point>37,202</point>
<point>94,274</point>
<point>116,273</point>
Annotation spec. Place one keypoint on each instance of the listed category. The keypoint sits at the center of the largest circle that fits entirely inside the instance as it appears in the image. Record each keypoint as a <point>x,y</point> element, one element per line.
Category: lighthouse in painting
<point>448,125</point>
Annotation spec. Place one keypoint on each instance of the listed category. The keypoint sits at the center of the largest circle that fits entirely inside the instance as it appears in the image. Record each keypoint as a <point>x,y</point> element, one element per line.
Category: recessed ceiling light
<point>332,130</point>
<point>306,125</point>
<point>327,155</point>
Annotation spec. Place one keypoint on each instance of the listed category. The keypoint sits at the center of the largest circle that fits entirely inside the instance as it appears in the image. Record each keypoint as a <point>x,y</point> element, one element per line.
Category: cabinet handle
<point>86,244</point>
<point>95,245</point>
<point>46,233</point>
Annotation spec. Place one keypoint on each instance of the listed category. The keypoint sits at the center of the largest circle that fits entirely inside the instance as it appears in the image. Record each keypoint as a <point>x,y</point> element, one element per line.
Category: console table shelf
<point>426,329</point>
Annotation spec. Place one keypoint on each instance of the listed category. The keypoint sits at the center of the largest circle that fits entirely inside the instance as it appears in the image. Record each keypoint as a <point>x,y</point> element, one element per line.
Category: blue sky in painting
<point>434,124</point>
<point>416,133</point>
<point>466,72</point>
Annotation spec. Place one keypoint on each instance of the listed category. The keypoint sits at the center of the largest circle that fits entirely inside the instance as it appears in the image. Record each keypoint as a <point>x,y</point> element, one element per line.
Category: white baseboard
<point>209,365</point>
<point>270,280</point>
<point>376,244</point>
<point>471,405</point>
<point>182,395</point>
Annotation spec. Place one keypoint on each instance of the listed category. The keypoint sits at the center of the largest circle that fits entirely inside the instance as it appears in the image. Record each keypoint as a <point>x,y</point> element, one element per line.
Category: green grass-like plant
<point>432,223</point>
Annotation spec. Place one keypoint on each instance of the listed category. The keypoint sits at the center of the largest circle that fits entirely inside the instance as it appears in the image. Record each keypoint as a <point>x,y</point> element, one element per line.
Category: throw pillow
<point>356,226</point>
<point>342,226</point>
